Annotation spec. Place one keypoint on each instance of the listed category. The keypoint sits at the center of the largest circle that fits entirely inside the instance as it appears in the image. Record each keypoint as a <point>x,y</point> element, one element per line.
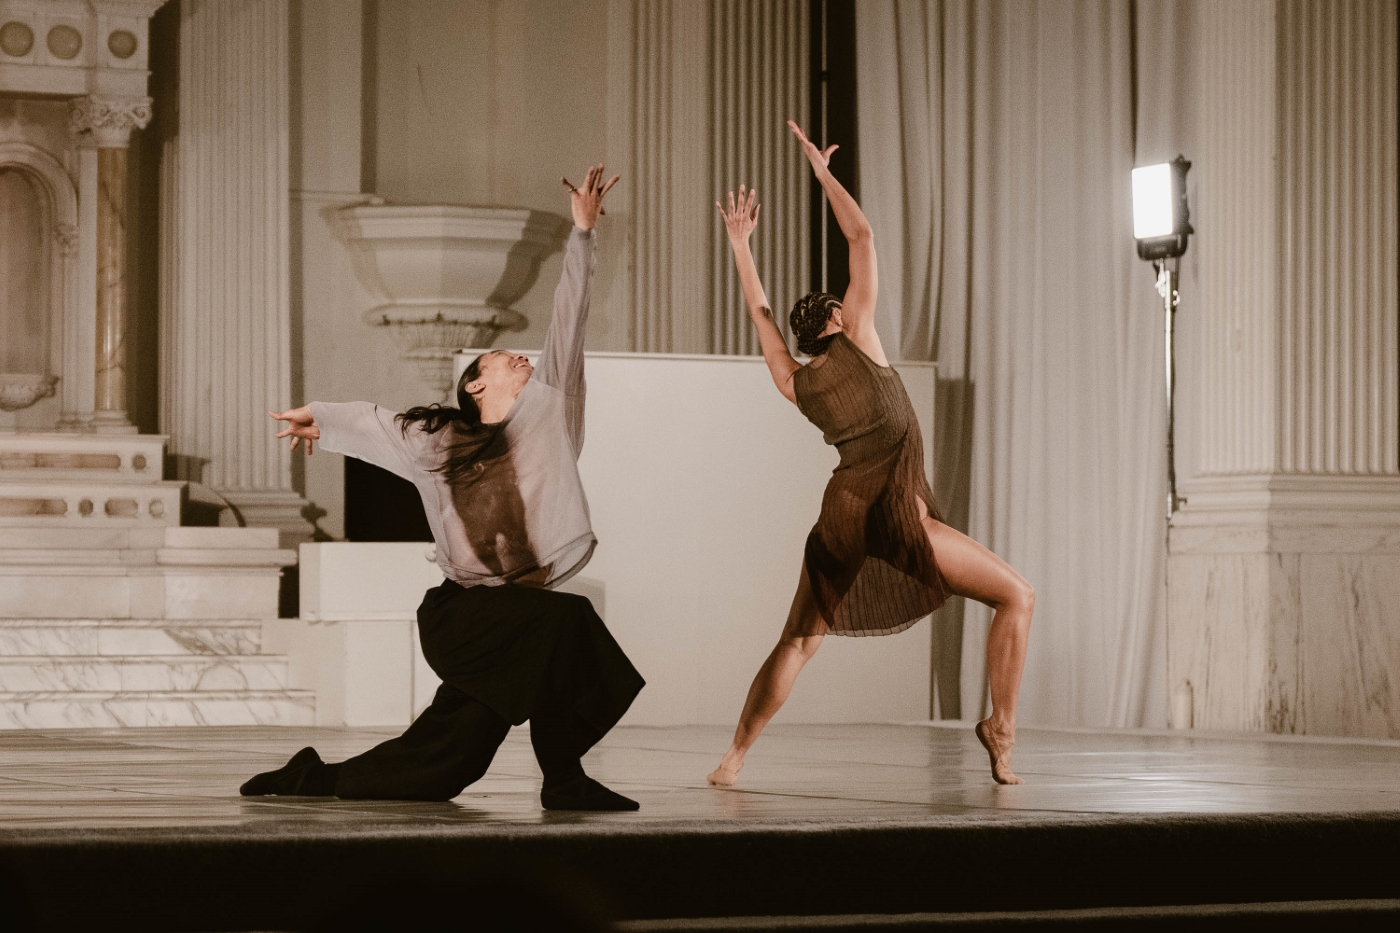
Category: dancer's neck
<point>496,405</point>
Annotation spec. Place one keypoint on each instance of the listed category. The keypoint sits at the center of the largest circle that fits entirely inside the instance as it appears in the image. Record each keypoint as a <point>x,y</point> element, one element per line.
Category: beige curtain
<point>996,142</point>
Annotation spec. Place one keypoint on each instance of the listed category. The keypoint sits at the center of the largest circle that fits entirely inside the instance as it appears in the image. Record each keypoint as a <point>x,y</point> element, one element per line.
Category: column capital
<point>107,122</point>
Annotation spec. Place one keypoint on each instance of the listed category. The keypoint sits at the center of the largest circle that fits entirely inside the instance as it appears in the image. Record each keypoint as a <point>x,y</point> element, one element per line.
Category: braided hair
<point>474,440</point>
<point>809,318</point>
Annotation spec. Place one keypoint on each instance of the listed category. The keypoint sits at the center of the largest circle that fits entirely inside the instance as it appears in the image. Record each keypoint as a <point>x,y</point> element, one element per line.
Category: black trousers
<point>450,746</point>
<point>505,654</point>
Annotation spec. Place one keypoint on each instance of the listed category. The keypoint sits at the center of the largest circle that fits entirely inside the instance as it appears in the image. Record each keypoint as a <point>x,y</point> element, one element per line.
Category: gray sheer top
<point>520,515</point>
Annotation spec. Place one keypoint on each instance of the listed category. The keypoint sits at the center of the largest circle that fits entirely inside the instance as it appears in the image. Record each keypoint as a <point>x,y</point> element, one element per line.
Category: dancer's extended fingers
<point>826,154</point>
<point>753,196</point>
<point>731,202</point>
<point>611,181</point>
<point>756,209</point>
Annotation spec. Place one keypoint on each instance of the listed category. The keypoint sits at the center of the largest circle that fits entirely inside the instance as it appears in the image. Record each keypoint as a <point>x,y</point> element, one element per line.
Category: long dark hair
<point>809,317</point>
<point>475,440</point>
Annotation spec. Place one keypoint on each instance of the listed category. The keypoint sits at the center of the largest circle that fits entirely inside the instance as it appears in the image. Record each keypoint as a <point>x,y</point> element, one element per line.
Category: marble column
<point>226,341</point>
<point>105,124</point>
<point>696,106</point>
<point>1284,565</point>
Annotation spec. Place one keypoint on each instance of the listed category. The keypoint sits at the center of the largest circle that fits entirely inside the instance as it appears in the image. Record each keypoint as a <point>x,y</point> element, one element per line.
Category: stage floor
<point>55,782</point>
<point>147,824</point>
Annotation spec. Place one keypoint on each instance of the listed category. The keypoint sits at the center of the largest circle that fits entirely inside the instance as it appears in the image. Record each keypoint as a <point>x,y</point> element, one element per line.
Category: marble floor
<point>60,782</point>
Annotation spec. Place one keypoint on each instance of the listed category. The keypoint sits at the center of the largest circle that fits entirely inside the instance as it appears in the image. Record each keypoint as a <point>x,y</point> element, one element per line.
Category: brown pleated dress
<point>868,559</point>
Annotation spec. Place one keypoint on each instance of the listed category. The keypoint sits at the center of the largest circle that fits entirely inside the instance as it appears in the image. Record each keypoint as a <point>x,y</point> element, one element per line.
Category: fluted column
<point>700,103</point>
<point>760,79</point>
<point>226,320</point>
<point>1284,562</point>
<point>105,124</point>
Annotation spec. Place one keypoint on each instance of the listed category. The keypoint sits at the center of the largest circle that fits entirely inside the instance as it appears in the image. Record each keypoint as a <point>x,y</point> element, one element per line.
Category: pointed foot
<point>728,771</point>
<point>998,750</point>
<point>722,777</point>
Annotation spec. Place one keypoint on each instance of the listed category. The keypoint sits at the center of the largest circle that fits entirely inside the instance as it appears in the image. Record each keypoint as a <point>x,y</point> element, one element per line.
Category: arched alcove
<point>38,276</point>
<point>24,299</point>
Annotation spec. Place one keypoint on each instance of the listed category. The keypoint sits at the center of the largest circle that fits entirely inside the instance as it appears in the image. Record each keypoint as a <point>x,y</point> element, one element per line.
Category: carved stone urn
<point>446,276</point>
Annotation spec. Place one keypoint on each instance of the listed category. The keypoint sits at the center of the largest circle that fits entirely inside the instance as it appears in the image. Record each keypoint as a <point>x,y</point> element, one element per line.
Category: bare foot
<point>999,750</point>
<point>727,772</point>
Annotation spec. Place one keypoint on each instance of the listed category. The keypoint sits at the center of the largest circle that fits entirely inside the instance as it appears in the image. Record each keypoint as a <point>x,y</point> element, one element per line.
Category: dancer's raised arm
<point>858,305</point>
<point>739,222</point>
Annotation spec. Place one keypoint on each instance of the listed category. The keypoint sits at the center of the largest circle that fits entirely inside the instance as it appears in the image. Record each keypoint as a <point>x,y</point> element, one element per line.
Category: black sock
<point>584,793</point>
<point>305,775</point>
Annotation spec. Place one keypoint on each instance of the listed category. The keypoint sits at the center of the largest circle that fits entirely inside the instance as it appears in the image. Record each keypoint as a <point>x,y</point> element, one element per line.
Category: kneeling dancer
<point>500,484</point>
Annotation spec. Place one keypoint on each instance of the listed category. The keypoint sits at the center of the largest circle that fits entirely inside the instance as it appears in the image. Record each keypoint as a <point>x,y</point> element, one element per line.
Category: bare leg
<point>771,686</point>
<point>976,573</point>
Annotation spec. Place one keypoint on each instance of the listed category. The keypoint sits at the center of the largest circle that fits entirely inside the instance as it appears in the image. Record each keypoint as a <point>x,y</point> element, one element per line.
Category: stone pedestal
<point>1285,605</point>
<point>1284,566</point>
<point>111,614</point>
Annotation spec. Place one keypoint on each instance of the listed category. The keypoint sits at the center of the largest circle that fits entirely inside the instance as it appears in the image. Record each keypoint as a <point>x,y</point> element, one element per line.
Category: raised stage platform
<point>851,827</point>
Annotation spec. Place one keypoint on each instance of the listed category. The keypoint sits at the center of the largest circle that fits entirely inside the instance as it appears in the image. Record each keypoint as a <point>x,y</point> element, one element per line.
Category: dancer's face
<point>501,373</point>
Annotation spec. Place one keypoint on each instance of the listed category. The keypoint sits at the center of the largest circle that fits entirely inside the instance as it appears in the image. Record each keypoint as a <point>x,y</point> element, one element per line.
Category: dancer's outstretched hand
<point>587,199</point>
<point>820,158</point>
<point>300,426</point>
<point>742,216</point>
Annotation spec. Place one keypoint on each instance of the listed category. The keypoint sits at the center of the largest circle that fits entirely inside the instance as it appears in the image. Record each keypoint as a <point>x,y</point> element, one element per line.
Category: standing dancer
<point>869,567</point>
<point>500,484</point>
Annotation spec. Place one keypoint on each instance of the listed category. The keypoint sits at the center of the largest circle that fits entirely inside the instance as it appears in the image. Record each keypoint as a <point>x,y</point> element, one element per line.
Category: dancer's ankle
<point>560,776</point>
<point>1003,727</point>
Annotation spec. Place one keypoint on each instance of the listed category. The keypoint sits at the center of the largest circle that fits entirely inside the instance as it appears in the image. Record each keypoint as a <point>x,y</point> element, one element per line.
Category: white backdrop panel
<point>703,483</point>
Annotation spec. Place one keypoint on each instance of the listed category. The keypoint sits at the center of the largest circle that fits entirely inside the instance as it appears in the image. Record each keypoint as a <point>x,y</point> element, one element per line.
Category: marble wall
<point>1289,624</point>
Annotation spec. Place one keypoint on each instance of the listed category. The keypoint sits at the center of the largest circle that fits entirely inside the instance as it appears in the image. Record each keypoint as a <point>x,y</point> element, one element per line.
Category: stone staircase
<point>112,614</point>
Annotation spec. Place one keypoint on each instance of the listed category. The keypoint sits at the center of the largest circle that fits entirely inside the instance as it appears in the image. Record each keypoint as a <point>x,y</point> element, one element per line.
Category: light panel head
<point>1161,218</point>
<point>1153,201</point>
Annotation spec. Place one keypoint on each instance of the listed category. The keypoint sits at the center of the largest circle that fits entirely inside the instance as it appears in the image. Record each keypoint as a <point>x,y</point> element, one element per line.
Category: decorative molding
<point>1288,513</point>
<point>20,390</point>
<point>107,122</point>
<point>66,236</point>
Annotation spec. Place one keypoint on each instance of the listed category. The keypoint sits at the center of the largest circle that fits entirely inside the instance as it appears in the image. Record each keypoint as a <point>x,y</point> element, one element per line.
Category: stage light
<point>1161,220</point>
<point>1162,226</point>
